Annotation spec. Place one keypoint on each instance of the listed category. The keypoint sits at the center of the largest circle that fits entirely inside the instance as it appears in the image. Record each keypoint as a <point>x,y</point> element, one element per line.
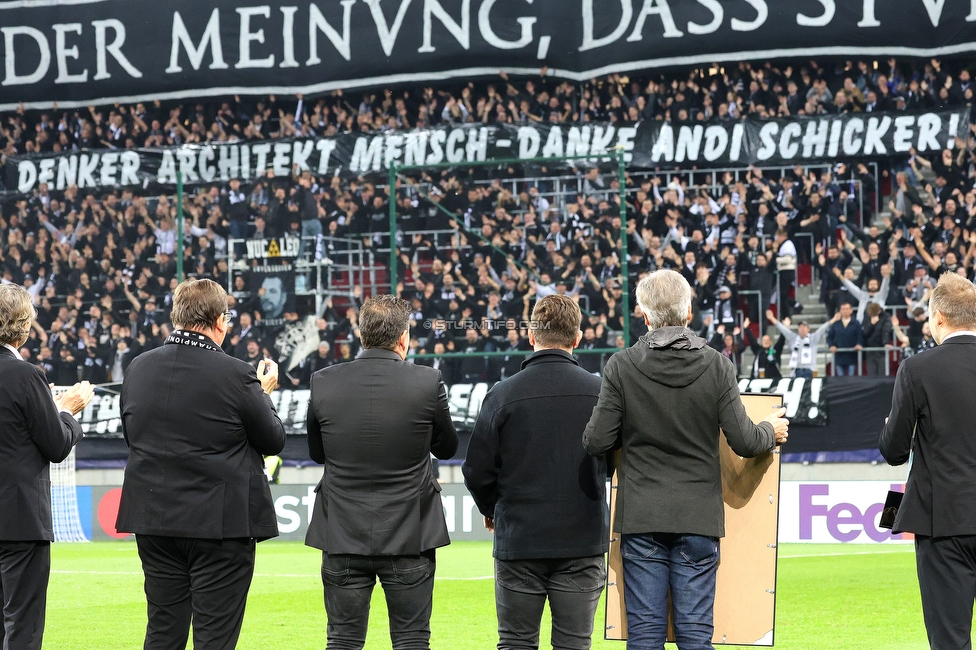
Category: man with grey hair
<point>663,402</point>
<point>33,434</point>
<point>373,423</point>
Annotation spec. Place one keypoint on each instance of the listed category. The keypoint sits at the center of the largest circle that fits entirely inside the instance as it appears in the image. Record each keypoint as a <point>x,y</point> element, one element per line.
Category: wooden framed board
<point>745,591</point>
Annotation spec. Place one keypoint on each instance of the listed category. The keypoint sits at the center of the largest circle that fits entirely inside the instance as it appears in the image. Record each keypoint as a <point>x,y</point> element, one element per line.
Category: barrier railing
<point>318,264</point>
<point>870,361</point>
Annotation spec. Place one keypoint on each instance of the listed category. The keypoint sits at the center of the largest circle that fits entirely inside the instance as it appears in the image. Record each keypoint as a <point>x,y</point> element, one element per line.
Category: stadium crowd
<point>102,267</point>
<point>722,93</point>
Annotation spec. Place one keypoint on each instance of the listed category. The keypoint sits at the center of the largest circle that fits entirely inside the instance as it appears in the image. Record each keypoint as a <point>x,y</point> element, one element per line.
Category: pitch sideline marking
<point>892,552</point>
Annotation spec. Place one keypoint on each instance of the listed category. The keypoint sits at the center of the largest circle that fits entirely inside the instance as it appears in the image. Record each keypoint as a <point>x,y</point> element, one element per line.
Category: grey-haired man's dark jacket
<point>662,402</point>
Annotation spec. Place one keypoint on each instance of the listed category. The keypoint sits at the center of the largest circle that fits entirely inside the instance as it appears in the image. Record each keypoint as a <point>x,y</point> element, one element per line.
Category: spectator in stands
<point>321,358</point>
<point>918,289</point>
<point>762,278</point>
<point>766,355</point>
<point>802,345</point>
<point>593,337</point>
<point>729,344</point>
<point>874,291</point>
<point>877,334</point>
<point>914,344</point>
<point>516,346</point>
<point>786,261</point>
<point>845,338</point>
<point>474,369</point>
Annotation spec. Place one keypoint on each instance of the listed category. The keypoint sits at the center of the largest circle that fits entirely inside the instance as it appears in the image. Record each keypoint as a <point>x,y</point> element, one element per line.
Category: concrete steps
<point>814,313</point>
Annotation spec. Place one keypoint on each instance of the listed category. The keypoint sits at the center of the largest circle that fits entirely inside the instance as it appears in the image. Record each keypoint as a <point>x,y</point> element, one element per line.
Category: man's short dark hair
<point>556,321</point>
<point>382,320</point>
<point>198,304</point>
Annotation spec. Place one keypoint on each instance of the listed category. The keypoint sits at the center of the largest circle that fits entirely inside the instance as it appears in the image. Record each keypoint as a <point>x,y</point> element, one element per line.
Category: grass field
<point>830,597</point>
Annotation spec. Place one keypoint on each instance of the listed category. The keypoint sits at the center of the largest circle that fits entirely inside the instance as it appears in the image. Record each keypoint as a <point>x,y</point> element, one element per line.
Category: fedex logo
<point>835,511</point>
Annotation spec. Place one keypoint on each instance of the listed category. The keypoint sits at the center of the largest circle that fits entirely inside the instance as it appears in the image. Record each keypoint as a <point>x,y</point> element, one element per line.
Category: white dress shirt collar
<point>14,350</point>
<point>959,333</point>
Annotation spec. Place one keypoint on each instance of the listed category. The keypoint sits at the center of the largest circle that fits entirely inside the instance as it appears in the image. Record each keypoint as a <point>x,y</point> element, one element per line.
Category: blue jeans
<point>655,562</point>
<point>846,370</point>
<point>806,373</point>
<point>311,228</point>
<point>238,230</point>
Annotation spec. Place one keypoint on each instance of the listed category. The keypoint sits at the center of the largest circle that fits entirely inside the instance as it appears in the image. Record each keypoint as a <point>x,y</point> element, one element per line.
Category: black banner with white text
<point>826,414</point>
<point>644,144</point>
<point>101,51</point>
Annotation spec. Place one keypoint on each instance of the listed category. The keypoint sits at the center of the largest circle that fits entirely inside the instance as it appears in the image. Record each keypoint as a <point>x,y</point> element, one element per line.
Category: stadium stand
<point>474,246</point>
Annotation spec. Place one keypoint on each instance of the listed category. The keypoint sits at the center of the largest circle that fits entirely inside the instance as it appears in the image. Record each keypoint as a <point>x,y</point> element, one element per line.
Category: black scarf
<point>192,339</point>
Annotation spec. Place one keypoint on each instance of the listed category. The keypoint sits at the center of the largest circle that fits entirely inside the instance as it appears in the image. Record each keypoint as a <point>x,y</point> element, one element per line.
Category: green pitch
<point>831,597</point>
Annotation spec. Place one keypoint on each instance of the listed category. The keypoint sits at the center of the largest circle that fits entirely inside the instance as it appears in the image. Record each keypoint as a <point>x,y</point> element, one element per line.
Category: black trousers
<point>947,579</point>
<point>573,587</point>
<point>408,582</point>
<point>784,303</point>
<point>203,580</point>
<point>25,568</point>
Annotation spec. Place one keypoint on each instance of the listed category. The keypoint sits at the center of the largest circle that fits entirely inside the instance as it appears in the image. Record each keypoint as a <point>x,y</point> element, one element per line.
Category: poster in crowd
<point>277,248</point>
<point>296,340</point>
<point>104,51</point>
<point>649,144</point>
<point>275,287</point>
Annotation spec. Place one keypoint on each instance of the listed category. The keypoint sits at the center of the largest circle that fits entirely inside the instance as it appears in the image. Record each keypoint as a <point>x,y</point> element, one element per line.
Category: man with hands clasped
<point>35,431</point>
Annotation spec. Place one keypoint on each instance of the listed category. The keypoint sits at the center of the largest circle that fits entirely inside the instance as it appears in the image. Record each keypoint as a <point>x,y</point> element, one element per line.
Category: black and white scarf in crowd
<point>192,339</point>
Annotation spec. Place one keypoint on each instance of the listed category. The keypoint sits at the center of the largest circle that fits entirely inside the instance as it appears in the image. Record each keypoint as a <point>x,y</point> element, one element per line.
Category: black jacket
<point>374,422</point>
<point>768,361</point>
<point>526,468</point>
<point>197,423</point>
<point>663,401</point>
<point>32,436</point>
<point>932,399</point>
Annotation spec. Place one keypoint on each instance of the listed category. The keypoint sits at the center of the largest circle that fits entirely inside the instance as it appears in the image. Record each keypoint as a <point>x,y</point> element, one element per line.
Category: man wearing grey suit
<point>662,403</point>
<point>373,423</point>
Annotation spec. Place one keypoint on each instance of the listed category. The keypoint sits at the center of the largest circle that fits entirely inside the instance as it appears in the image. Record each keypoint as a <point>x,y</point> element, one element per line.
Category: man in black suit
<point>197,422</point>
<point>33,434</point>
<point>539,491</point>
<point>663,402</point>
<point>932,420</point>
<point>374,422</point>
<point>447,367</point>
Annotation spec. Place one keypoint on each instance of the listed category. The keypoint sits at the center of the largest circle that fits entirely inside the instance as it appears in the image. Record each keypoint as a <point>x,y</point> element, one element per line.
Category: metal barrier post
<point>179,226</point>
<point>624,262</point>
<point>393,256</point>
